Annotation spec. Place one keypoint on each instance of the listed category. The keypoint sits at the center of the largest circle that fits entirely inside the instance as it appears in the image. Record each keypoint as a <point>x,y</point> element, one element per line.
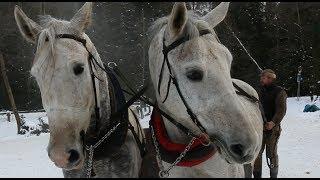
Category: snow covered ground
<point>299,155</point>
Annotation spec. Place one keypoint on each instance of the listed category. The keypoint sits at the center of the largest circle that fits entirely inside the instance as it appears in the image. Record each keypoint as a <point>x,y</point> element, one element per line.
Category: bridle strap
<point>90,57</point>
<point>70,36</point>
<point>242,92</point>
<point>165,51</point>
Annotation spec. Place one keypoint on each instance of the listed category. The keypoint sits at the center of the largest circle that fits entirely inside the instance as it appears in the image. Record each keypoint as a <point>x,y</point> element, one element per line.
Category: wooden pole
<point>10,95</point>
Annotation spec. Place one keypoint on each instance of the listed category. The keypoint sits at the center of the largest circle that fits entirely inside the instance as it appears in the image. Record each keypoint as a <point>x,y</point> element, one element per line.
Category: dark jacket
<point>274,102</point>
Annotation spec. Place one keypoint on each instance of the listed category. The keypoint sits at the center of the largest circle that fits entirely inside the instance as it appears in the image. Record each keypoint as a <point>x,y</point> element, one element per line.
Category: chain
<point>90,158</point>
<point>165,173</point>
<point>103,138</point>
<point>157,149</point>
<point>92,147</point>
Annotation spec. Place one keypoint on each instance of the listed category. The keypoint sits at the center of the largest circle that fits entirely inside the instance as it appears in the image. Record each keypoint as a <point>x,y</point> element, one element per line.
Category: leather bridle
<point>120,116</point>
<point>172,77</point>
<point>90,63</point>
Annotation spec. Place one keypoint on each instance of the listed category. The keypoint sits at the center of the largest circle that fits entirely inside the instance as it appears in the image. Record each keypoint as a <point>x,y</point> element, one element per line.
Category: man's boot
<point>257,174</point>
<point>274,172</point>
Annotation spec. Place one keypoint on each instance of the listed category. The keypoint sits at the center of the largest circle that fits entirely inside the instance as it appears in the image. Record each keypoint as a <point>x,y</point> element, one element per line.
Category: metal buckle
<point>112,65</point>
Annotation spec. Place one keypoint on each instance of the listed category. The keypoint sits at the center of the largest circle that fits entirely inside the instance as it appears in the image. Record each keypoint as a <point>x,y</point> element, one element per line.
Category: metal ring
<point>112,65</point>
<point>163,174</point>
<point>208,140</point>
<point>208,143</point>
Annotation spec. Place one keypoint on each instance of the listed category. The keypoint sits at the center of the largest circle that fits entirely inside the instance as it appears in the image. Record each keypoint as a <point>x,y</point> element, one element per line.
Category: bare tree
<point>10,95</point>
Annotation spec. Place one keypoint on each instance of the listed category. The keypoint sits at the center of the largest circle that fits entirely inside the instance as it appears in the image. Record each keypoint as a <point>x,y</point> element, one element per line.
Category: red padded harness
<point>170,150</point>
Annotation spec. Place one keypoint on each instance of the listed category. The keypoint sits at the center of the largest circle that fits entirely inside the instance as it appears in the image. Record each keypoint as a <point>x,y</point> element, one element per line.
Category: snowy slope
<point>299,155</point>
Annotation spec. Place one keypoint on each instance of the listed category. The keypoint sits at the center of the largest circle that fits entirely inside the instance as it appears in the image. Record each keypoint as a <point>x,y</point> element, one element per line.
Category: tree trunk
<point>10,95</point>
<point>8,116</point>
<point>43,11</point>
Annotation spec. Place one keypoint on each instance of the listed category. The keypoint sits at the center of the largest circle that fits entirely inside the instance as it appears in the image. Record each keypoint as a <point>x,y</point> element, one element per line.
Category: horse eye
<point>78,69</point>
<point>195,75</point>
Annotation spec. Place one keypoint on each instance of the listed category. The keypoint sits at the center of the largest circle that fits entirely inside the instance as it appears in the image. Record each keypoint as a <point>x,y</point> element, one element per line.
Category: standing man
<point>273,100</point>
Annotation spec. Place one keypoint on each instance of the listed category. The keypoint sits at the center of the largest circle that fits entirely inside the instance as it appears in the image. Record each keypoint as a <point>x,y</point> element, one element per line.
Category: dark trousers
<point>270,143</point>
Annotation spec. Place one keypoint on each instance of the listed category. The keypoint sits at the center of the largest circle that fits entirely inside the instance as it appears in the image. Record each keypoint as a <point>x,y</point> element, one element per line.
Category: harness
<point>199,144</point>
<point>116,130</point>
<point>174,152</point>
<point>169,150</point>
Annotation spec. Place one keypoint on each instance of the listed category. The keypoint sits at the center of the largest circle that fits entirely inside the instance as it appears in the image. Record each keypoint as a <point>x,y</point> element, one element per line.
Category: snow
<point>26,155</point>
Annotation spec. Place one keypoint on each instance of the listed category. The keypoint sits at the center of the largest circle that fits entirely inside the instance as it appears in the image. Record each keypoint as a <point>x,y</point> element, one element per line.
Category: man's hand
<point>269,125</point>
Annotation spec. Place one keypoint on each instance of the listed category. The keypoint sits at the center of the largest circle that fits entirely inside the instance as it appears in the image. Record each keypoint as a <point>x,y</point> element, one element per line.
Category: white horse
<point>68,92</point>
<point>200,64</point>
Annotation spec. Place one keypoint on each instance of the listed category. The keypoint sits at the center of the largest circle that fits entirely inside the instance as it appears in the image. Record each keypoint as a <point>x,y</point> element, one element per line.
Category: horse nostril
<point>74,156</point>
<point>237,149</point>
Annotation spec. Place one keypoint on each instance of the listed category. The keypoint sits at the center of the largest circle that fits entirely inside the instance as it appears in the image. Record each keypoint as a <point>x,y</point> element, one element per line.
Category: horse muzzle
<point>71,159</point>
<point>237,152</point>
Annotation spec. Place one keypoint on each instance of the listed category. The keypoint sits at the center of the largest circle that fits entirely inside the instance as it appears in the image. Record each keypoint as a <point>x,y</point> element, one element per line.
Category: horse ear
<point>28,28</point>
<point>82,19</point>
<point>178,18</point>
<point>217,15</point>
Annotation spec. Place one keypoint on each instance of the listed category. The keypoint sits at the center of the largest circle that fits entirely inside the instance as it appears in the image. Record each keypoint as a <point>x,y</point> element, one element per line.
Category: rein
<point>90,139</point>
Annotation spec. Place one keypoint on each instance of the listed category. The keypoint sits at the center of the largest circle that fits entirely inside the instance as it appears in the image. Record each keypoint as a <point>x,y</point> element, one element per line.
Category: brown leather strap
<point>149,166</point>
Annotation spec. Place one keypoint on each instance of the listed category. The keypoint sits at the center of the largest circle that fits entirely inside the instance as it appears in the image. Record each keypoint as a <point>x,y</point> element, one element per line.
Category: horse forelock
<point>43,65</point>
<point>193,25</point>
